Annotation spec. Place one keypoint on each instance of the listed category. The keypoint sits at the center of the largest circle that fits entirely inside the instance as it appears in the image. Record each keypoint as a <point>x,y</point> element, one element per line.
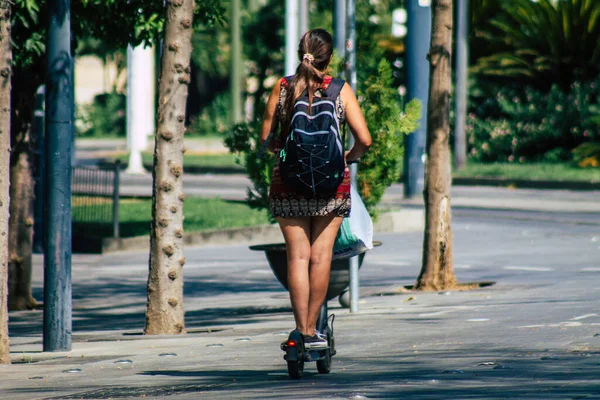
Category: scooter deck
<point>312,354</point>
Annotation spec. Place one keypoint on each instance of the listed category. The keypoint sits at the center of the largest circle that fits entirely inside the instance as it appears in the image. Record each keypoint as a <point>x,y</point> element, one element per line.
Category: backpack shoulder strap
<point>332,92</point>
<point>285,82</point>
<point>334,88</point>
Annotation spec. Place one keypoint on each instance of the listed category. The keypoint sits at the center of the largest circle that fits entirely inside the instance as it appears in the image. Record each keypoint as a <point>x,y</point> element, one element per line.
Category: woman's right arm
<point>269,118</point>
<point>357,124</point>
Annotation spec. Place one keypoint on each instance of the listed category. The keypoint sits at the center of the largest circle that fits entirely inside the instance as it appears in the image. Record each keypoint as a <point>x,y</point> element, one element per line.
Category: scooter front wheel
<point>295,368</point>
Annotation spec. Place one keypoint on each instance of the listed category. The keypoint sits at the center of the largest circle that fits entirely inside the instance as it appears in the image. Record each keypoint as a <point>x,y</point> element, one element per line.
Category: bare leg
<point>323,234</point>
<point>296,232</point>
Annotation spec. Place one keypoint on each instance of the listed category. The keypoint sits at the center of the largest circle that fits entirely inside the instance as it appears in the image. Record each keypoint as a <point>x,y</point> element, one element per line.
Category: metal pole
<point>462,61</point>
<point>73,130</point>
<point>351,75</point>
<point>339,27</point>
<point>57,233</point>
<point>291,36</point>
<point>116,198</point>
<point>417,72</point>
<point>39,153</point>
<point>302,18</point>
<point>236,63</point>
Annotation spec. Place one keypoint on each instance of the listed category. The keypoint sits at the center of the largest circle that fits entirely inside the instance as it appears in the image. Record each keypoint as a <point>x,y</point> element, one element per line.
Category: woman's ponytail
<point>314,52</point>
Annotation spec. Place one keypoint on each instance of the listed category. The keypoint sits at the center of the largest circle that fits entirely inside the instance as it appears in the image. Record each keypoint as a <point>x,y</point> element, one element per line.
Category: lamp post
<point>291,36</point>
<point>302,17</point>
<point>351,77</point>
<point>339,27</point>
<point>236,63</point>
<point>462,61</point>
<point>418,38</point>
<point>57,227</point>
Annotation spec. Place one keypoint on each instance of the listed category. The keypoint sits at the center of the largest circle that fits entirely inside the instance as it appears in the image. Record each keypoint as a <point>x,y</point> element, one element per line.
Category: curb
<point>527,183</point>
<point>408,220</point>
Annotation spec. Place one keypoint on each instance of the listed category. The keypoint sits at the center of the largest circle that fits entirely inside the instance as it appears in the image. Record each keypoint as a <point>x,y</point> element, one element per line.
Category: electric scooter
<point>296,354</point>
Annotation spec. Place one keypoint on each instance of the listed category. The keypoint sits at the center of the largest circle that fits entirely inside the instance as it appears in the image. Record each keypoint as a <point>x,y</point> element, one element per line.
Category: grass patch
<point>200,215</point>
<point>198,163</point>
<point>530,171</point>
<point>201,160</point>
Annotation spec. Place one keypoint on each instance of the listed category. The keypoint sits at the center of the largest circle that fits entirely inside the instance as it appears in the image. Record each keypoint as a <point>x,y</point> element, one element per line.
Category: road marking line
<point>531,326</point>
<point>583,317</point>
<point>591,269</point>
<point>390,263</point>
<point>432,314</point>
<point>562,325</point>
<point>261,271</point>
<point>539,269</point>
<point>226,264</point>
<point>567,324</point>
<point>466,266</point>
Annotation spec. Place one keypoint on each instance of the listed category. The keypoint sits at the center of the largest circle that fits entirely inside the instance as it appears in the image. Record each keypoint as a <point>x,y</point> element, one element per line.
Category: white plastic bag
<point>356,233</point>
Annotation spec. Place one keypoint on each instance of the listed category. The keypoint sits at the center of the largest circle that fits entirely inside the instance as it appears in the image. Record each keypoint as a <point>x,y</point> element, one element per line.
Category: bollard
<point>116,196</point>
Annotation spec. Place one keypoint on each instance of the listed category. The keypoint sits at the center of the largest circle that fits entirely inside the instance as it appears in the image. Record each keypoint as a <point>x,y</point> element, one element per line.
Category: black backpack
<point>312,158</point>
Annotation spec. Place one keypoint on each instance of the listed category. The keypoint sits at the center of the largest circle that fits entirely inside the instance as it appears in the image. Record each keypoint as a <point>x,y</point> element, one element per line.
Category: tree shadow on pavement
<point>119,304</point>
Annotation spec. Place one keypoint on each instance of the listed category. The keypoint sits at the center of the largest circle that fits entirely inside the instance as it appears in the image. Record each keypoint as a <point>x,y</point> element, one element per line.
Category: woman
<point>309,222</point>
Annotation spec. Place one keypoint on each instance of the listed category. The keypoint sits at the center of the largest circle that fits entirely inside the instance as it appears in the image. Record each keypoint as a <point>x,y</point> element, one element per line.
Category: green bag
<point>356,232</point>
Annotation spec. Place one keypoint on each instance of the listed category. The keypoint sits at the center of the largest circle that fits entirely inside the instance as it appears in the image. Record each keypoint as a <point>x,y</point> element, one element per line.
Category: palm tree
<point>543,43</point>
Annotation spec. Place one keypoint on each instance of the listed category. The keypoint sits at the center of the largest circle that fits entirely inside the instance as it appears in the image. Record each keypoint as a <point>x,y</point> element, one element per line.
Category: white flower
<point>374,19</point>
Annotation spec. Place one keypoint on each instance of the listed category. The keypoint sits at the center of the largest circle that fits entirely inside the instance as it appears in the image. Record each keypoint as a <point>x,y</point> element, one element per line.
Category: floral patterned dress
<point>285,202</point>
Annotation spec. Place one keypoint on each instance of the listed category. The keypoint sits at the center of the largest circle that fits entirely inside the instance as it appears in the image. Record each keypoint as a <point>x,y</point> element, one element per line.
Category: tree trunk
<point>21,226</point>
<point>437,272</point>
<point>5,74</point>
<point>164,311</point>
<point>20,243</point>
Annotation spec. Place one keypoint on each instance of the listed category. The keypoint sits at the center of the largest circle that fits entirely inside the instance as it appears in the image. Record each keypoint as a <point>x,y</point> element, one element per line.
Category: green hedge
<point>531,125</point>
<point>106,116</point>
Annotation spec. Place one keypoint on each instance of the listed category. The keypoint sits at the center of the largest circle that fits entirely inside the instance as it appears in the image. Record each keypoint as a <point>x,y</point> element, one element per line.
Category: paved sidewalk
<point>534,334</point>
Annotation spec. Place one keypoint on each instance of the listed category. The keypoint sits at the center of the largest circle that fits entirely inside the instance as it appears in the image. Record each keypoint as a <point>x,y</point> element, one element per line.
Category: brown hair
<point>314,53</point>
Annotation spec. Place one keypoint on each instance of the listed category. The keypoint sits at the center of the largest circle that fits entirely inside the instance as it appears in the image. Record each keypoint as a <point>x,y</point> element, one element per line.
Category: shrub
<point>531,125</point>
<point>214,118</point>
<point>388,125</point>
<point>106,116</point>
<point>243,140</point>
<point>588,154</point>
